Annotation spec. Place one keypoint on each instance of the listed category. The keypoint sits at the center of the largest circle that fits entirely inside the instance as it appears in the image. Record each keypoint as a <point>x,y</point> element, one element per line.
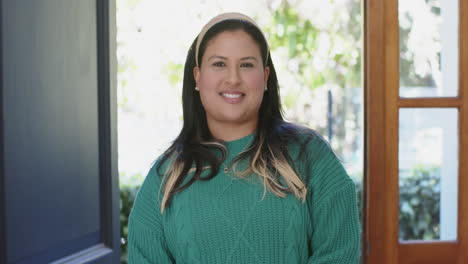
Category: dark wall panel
<point>50,126</point>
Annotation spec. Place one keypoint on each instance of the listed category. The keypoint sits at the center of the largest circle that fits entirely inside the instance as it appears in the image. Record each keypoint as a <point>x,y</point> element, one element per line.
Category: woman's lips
<point>232,97</point>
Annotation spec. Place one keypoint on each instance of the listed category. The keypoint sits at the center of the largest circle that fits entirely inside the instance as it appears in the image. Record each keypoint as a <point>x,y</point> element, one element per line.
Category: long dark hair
<point>195,149</point>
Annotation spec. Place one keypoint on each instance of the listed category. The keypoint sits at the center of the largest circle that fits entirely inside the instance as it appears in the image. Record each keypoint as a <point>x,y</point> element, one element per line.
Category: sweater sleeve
<point>146,241</point>
<point>333,207</point>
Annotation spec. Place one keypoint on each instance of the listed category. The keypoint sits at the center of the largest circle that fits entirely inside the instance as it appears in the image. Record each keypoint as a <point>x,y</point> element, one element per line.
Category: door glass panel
<point>428,48</point>
<point>428,173</point>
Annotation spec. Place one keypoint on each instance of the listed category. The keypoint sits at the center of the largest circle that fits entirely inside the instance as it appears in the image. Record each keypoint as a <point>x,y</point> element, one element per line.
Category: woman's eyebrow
<point>224,58</point>
<point>249,58</point>
<point>217,57</point>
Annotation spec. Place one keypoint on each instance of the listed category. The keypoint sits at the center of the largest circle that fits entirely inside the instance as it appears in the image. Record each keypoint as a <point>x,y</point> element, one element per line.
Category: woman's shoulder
<point>312,153</point>
<point>303,139</point>
<point>160,165</point>
<point>318,158</point>
<point>148,198</point>
<point>155,172</point>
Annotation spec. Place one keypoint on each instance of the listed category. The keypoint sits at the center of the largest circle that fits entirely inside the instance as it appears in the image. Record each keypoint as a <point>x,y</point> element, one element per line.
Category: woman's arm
<point>146,241</point>
<point>334,213</point>
<point>336,236</point>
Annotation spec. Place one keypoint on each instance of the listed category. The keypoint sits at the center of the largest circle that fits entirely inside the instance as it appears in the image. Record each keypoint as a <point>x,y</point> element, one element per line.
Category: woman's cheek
<point>255,80</point>
<point>215,78</point>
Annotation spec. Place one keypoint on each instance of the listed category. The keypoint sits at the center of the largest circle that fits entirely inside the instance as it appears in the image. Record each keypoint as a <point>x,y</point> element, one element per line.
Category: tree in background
<point>318,47</point>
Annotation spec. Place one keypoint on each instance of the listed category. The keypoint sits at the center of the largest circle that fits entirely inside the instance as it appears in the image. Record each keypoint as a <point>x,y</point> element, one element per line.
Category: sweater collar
<point>236,146</point>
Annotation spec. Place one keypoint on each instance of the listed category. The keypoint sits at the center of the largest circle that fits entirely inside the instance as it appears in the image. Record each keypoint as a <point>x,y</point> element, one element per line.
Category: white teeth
<point>231,95</point>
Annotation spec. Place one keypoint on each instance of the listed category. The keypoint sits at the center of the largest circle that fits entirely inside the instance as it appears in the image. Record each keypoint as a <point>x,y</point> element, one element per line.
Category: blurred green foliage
<point>412,59</point>
<point>420,204</point>
<point>419,201</point>
<point>301,38</point>
<point>127,197</point>
<point>174,73</point>
<point>320,57</point>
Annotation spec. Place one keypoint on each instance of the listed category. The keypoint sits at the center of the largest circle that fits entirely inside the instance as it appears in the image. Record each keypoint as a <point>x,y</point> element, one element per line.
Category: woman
<point>239,184</point>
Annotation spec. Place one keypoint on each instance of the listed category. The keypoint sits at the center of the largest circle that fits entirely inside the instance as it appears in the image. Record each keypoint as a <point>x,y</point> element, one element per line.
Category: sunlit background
<point>316,46</point>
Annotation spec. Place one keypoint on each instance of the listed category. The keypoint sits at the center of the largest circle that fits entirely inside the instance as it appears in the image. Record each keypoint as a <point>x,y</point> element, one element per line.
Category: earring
<point>266,88</point>
<point>197,89</point>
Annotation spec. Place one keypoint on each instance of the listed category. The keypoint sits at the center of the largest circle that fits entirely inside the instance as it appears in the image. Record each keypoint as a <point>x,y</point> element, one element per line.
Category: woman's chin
<point>231,118</point>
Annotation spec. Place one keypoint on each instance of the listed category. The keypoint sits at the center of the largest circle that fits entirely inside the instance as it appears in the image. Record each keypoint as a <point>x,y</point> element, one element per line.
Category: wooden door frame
<point>382,103</point>
<point>378,246</point>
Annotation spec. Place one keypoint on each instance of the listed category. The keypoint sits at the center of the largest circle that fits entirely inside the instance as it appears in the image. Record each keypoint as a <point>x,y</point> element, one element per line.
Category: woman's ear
<point>196,74</point>
<point>266,74</point>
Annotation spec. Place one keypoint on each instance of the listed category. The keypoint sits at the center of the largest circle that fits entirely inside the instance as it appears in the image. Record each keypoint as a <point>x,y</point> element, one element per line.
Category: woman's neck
<point>231,131</point>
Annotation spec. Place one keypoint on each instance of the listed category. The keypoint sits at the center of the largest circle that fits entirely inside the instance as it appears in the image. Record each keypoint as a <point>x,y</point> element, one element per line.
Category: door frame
<point>382,103</point>
<point>108,251</point>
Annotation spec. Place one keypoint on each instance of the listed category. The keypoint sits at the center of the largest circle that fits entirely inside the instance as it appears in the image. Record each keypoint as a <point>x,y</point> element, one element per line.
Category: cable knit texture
<point>225,220</point>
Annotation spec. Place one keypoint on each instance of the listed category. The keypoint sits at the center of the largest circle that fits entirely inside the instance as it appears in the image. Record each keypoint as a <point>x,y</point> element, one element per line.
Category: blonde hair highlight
<point>259,165</point>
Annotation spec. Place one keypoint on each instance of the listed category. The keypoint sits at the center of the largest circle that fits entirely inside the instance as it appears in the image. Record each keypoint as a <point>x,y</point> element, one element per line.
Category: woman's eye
<point>219,64</point>
<point>247,64</point>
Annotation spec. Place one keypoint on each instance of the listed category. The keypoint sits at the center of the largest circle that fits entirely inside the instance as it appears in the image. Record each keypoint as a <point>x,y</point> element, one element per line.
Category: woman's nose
<point>234,77</point>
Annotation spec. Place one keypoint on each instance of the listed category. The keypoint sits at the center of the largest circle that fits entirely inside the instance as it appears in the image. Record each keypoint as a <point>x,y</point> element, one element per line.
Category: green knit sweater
<point>225,220</point>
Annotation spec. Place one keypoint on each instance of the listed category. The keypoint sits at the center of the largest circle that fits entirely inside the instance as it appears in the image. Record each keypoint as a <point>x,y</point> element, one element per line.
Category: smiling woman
<point>281,195</point>
<point>231,80</point>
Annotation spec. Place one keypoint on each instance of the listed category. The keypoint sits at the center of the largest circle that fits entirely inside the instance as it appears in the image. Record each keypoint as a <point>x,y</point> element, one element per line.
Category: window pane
<point>428,173</point>
<point>428,48</point>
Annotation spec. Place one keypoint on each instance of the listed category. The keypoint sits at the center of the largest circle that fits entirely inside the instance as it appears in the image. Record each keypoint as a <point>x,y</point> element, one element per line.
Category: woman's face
<point>231,79</point>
